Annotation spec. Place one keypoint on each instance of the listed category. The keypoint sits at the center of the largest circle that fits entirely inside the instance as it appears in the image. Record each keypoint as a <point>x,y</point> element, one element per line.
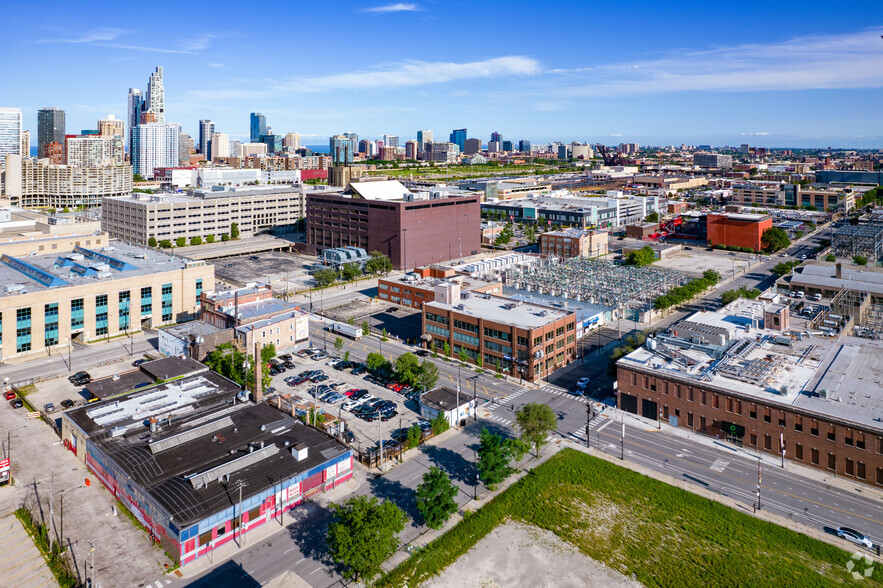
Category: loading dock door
<point>648,409</point>
<point>628,403</point>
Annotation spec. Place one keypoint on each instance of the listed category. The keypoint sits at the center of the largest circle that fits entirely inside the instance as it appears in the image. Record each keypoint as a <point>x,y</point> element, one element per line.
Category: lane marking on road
<point>738,479</point>
<point>300,560</point>
<point>601,428</point>
<point>290,550</point>
<point>719,465</point>
<point>314,571</point>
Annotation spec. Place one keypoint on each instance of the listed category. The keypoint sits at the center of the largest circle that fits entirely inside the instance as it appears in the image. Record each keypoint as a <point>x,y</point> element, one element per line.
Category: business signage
<point>733,429</point>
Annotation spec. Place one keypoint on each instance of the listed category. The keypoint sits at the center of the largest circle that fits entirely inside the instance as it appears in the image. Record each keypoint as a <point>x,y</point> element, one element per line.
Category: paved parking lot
<point>22,564</point>
<point>399,321</point>
<point>365,433</point>
<point>271,268</point>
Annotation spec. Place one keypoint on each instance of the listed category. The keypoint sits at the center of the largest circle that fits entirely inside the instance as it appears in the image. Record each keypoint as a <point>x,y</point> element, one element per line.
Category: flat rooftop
<point>84,266</point>
<point>560,203</point>
<point>445,399</point>
<point>824,275</point>
<point>754,363</point>
<point>466,282</point>
<point>167,368</point>
<point>118,384</point>
<point>574,233</point>
<point>191,196</point>
<point>196,328</point>
<point>204,444</point>
<point>503,310</point>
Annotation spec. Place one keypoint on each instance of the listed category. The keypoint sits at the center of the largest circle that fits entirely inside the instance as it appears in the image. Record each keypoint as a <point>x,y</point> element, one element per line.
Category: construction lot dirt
<point>515,554</point>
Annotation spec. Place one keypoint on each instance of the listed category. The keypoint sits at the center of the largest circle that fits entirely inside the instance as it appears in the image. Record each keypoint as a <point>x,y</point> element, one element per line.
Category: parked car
<point>49,407</point>
<point>359,370</point>
<point>78,376</point>
<point>855,537</point>
<point>289,365</point>
<point>17,403</point>
<point>285,357</point>
<point>82,381</point>
<point>138,362</point>
<point>9,395</point>
<point>349,437</point>
<point>421,353</point>
<point>349,404</point>
<point>319,378</point>
<point>302,353</point>
<point>270,390</point>
<point>385,416</point>
<point>319,356</point>
<point>337,398</point>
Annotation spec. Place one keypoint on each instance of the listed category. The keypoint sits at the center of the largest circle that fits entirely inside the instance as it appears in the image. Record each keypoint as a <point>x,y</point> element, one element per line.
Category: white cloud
<point>418,73</point>
<point>853,60</point>
<point>758,134</point>
<point>111,38</point>
<point>218,65</point>
<point>397,7</point>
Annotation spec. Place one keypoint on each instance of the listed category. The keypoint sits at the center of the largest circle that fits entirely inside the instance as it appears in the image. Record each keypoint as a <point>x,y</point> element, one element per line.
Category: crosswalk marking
<point>719,465</point>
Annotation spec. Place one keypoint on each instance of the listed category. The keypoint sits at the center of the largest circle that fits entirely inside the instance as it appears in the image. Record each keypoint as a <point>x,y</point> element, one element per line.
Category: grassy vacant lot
<point>663,535</point>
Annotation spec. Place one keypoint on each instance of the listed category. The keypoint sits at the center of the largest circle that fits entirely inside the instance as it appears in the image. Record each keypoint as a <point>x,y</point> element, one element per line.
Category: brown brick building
<point>524,340</point>
<point>418,287</point>
<point>574,243</point>
<point>378,218</point>
<point>738,230</point>
<point>816,396</point>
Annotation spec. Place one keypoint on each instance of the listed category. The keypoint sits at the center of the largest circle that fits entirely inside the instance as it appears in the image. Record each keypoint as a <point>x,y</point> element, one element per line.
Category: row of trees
<point>741,292</point>
<point>182,241</point>
<point>378,263</point>
<point>643,256</point>
<point>688,291</point>
<point>364,532</point>
<point>407,370</point>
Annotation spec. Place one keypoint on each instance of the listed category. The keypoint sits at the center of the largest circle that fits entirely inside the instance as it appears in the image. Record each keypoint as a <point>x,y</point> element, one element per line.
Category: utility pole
<point>380,436</point>
<point>589,414</point>
<point>51,511</point>
<point>457,406</point>
<point>474,398</point>
<point>758,481</point>
<point>241,518</point>
<point>622,443</point>
<point>782,447</point>
<point>91,563</point>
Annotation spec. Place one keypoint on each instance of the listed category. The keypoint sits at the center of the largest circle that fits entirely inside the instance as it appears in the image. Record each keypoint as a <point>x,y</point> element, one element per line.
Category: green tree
<point>494,455</point>
<point>407,368</point>
<point>234,231</point>
<point>478,360</point>
<point>225,237</point>
<point>643,256</point>
<point>165,244</point>
<point>435,498</point>
<point>439,424</point>
<point>196,240</point>
<point>324,277</point>
<point>384,335</point>
<point>427,376</point>
<point>136,178</point>
<point>784,268</point>
<point>535,421</point>
<point>366,328</point>
<point>363,535</point>
<point>830,258</point>
<point>464,357</point>
<point>180,242</point>
<point>774,239</point>
<point>414,435</point>
<point>653,217</point>
<point>376,362</point>
<point>351,271</point>
<point>379,263</point>
<point>209,238</point>
<point>859,260</point>
<point>447,349</point>
<point>351,320</point>
<point>346,355</point>
<point>338,345</point>
<point>151,242</point>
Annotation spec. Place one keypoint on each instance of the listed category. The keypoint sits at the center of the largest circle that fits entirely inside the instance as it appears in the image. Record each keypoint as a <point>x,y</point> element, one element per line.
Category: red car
<point>9,395</point>
<point>349,392</point>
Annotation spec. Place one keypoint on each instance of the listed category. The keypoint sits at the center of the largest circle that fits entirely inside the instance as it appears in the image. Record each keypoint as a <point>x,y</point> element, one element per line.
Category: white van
<point>799,294</point>
<point>817,297</point>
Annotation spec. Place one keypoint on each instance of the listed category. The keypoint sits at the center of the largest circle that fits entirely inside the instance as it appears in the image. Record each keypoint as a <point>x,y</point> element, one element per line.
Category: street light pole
<point>758,481</point>
<point>457,406</point>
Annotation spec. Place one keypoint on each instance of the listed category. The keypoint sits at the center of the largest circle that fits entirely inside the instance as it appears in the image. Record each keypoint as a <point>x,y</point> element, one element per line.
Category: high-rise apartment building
<point>341,149</point>
<point>273,142</point>
<point>155,145</point>
<point>50,128</point>
<point>257,127</point>
<point>235,148</point>
<point>206,130</point>
<point>156,96</point>
<point>411,149</point>
<point>220,145</point>
<point>390,141</point>
<point>524,146</point>
<point>291,141</point>
<point>507,146</point>
<point>354,137</point>
<point>423,137</point>
<point>472,146</point>
<point>442,152</point>
<point>110,127</point>
<point>94,150</point>
<point>10,133</point>
<point>25,144</point>
<point>185,144</point>
<point>133,112</point>
<point>496,137</point>
<point>458,138</point>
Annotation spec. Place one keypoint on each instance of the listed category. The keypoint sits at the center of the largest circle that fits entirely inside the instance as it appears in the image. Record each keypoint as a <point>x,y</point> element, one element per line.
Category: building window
<point>147,301</point>
<point>436,318</point>
<point>437,330</point>
<point>798,424</point>
<point>814,456</point>
<point>22,330</point>
<point>798,451</point>
<point>832,434</point>
<point>847,438</point>
<point>860,470</point>
<point>860,440</point>
<point>77,314</point>
<point>832,462</point>
<point>464,326</point>
<point>814,429</point>
<point>198,291</point>
<point>850,467</point>
<point>494,333</point>
<point>167,303</point>
<point>767,442</point>
<point>50,312</point>
<point>123,307</point>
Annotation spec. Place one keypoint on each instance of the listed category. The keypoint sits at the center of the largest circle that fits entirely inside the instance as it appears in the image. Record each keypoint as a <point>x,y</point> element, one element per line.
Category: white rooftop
<point>382,190</point>
<point>502,310</point>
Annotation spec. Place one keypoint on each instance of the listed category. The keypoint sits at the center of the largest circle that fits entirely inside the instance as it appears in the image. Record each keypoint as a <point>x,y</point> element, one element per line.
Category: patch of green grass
<point>663,535</point>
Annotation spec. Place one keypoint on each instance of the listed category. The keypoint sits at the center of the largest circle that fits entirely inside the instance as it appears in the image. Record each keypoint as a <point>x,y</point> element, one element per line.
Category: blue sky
<point>765,73</point>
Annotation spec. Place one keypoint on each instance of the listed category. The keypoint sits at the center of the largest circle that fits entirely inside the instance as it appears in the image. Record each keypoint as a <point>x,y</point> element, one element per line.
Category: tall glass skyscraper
<point>342,148</point>
<point>458,138</point>
<point>10,134</point>
<point>206,130</point>
<point>156,96</point>
<point>50,129</point>
<point>258,127</point>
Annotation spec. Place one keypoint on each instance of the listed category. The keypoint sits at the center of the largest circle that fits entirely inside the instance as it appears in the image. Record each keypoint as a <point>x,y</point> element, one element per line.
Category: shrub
<point>180,242</point>
<point>209,238</point>
<point>196,241</point>
<point>151,242</point>
<point>165,244</point>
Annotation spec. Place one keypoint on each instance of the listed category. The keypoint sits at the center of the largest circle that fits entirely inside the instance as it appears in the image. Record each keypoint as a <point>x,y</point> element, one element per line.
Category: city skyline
<point>688,75</point>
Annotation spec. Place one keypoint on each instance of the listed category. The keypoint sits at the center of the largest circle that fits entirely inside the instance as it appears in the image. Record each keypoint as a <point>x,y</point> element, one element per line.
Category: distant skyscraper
<point>390,140</point>
<point>235,148</point>
<point>156,96</point>
<point>185,144</point>
<point>50,129</point>
<point>94,150</point>
<point>206,129</point>
<point>155,145</point>
<point>133,113</point>
<point>10,134</point>
<point>472,147</point>
<point>220,145</point>
<point>257,126</point>
<point>411,149</point>
<point>458,138</point>
<point>292,141</point>
<point>25,144</point>
<point>524,146</point>
<point>423,137</point>
<point>110,127</point>
<point>273,142</point>
<point>354,137</point>
<point>507,146</point>
<point>341,148</point>
<point>496,137</point>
